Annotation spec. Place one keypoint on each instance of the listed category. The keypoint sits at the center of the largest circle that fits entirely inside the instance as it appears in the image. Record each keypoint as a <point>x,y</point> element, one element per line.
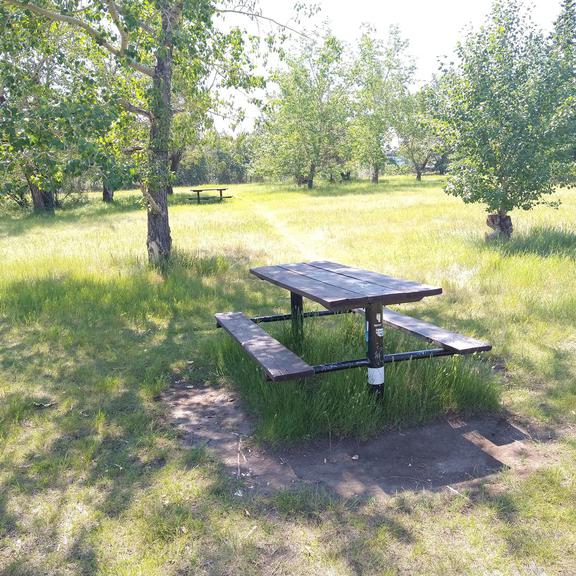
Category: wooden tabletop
<point>339,287</point>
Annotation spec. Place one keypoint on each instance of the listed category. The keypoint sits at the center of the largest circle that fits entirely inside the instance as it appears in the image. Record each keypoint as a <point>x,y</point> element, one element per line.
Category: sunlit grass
<point>93,480</point>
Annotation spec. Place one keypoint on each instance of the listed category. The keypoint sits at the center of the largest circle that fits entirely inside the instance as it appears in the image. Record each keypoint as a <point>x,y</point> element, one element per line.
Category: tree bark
<point>311,174</point>
<point>159,240</point>
<point>175,159</point>
<point>42,200</point>
<point>501,223</point>
<point>107,191</point>
<point>375,176</point>
<point>418,174</point>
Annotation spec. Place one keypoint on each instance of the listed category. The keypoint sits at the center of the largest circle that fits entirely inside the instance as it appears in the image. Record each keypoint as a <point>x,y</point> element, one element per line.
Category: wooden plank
<point>357,286</point>
<point>397,284</point>
<point>206,189</point>
<point>327,295</point>
<point>450,340</point>
<point>276,360</point>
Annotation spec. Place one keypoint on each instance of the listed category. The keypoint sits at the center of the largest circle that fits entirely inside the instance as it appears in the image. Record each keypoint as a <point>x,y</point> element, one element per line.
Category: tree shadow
<point>16,223</point>
<point>95,355</point>
<point>541,241</point>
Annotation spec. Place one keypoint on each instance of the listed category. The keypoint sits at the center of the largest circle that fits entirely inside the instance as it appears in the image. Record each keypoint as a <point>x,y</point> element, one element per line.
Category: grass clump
<point>341,403</point>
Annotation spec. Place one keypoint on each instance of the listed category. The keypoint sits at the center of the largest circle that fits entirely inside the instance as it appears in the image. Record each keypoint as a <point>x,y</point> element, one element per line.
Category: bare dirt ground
<point>450,454</point>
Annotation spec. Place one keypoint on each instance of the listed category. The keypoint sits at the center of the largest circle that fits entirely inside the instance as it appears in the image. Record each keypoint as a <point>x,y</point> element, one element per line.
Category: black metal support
<point>312,314</point>
<point>417,355</point>
<point>335,366</point>
<point>297,316</point>
<point>386,359</point>
<point>375,335</point>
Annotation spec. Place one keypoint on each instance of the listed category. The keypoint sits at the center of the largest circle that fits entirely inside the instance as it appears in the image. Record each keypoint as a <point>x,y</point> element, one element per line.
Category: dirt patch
<point>449,454</point>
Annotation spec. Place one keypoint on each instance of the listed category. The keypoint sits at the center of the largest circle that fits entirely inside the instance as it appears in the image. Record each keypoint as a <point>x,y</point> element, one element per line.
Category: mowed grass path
<point>93,481</point>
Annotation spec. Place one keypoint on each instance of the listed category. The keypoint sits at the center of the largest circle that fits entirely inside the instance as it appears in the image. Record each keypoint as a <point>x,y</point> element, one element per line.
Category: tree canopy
<point>508,109</point>
<point>303,131</point>
<point>379,79</point>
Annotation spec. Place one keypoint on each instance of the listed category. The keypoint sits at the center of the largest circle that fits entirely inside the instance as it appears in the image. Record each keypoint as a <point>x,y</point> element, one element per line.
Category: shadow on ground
<point>16,223</point>
<point>542,241</point>
<point>452,452</point>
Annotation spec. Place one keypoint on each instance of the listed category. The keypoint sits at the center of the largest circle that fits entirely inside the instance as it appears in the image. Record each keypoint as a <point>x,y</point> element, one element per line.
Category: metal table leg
<point>297,311</point>
<point>375,336</point>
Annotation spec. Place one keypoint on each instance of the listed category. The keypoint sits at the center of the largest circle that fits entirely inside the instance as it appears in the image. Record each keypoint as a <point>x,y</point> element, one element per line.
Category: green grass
<point>94,481</point>
<point>341,404</point>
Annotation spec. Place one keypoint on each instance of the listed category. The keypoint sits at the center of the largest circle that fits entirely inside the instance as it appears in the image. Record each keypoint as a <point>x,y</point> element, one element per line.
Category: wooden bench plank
<point>332,297</point>
<point>327,295</point>
<point>450,340</point>
<point>357,286</point>
<point>396,284</point>
<point>276,360</point>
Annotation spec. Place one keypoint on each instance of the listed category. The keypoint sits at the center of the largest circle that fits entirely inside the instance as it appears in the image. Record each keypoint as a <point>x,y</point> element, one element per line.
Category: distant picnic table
<point>200,190</point>
<point>341,289</point>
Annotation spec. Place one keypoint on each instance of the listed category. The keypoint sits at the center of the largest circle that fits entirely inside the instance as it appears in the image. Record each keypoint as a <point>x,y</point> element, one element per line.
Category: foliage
<point>53,114</point>
<point>507,110</point>
<point>418,139</point>
<point>217,158</point>
<point>303,131</point>
<point>378,78</point>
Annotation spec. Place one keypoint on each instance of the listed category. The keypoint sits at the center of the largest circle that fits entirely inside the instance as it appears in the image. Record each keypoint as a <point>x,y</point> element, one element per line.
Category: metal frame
<point>376,357</point>
<point>386,359</point>
<point>312,314</point>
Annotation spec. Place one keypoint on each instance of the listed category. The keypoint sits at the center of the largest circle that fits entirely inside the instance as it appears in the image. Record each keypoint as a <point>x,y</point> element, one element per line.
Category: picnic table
<point>341,289</point>
<point>201,190</point>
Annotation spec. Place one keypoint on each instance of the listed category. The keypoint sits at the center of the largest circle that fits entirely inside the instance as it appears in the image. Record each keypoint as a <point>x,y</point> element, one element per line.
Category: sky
<point>432,27</point>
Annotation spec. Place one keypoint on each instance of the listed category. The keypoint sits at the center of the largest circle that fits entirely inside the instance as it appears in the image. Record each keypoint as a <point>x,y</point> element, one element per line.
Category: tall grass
<point>341,403</point>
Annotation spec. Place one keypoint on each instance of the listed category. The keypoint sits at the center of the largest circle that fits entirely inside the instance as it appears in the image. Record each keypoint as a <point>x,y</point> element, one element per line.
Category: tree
<point>219,158</point>
<point>414,126</point>
<point>156,40</point>
<point>379,75</point>
<point>507,112</point>
<point>563,51</point>
<point>52,112</point>
<point>303,131</point>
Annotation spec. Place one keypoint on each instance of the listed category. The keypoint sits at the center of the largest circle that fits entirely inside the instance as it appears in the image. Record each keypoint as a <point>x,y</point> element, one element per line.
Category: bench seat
<point>276,360</point>
<point>457,343</point>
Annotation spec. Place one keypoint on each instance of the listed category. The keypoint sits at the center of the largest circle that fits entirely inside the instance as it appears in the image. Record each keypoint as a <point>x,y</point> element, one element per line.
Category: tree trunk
<point>175,158</point>
<point>107,191</point>
<point>375,177</point>
<point>42,201</point>
<point>159,241</point>
<point>418,174</point>
<point>311,175</point>
<point>501,223</point>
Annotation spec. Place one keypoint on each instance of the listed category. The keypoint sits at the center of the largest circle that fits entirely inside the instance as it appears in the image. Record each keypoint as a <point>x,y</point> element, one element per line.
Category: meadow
<point>93,480</point>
